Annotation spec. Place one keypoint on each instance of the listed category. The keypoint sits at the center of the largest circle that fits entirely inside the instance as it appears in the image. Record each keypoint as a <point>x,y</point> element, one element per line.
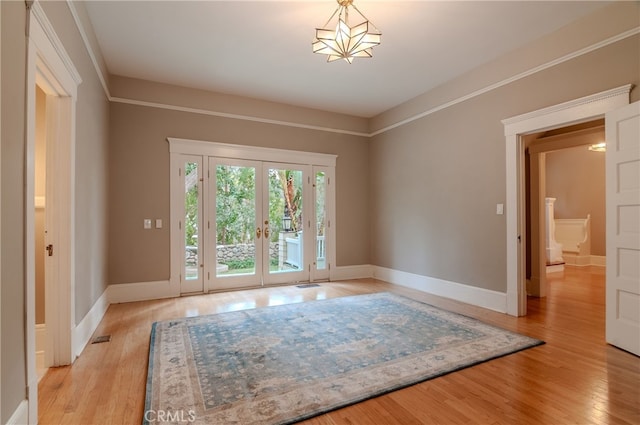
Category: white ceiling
<point>262,49</point>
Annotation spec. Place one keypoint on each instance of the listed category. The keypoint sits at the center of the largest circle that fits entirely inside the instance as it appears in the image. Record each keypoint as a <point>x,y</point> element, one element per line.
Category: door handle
<point>49,249</point>
<point>266,228</point>
<point>258,233</point>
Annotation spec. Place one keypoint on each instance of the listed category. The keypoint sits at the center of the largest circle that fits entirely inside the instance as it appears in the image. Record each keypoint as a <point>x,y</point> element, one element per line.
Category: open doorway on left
<point>40,165</point>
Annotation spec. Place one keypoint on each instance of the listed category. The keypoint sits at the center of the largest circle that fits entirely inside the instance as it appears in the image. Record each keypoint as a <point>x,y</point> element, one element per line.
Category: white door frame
<point>573,112</point>
<point>50,67</point>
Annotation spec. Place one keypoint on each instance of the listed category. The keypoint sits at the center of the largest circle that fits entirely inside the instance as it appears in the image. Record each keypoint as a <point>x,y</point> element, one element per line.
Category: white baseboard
<point>142,291</point>
<point>584,260</point>
<point>480,297</point>
<point>39,361</point>
<point>41,337</point>
<point>554,268</point>
<point>83,331</point>
<point>576,260</point>
<point>41,345</point>
<point>21,415</point>
<point>352,272</point>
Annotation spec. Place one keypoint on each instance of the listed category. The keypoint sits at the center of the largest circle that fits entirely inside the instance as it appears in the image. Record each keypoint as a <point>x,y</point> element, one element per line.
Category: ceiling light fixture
<point>598,147</point>
<point>345,41</point>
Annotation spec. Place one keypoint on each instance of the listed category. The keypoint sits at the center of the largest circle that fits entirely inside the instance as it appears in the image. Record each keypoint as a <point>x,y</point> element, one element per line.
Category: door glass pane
<point>321,188</point>
<point>191,220</point>
<point>235,220</point>
<point>285,220</point>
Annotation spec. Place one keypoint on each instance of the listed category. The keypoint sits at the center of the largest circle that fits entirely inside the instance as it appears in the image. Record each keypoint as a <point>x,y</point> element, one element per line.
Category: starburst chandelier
<point>341,39</point>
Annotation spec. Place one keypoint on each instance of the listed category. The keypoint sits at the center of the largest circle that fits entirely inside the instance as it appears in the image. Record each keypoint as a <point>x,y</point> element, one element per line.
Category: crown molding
<point>39,14</point>
<point>572,111</point>
<point>234,116</point>
<point>512,79</point>
<point>87,45</point>
<point>476,93</point>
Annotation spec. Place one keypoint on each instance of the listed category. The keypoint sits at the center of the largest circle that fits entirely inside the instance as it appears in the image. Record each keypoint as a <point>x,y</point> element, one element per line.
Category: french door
<point>246,223</point>
<point>258,209</point>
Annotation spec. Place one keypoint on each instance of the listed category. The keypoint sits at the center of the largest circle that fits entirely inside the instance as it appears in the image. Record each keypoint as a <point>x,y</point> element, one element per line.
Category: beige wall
<point>576,178</point>
<point>440,177</point>
<point>139,181</point>
<point>12,198</point>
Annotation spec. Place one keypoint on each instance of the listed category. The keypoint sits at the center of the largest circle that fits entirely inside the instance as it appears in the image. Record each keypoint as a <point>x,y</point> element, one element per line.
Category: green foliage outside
<point>191,205</point>
<point>236,205</point>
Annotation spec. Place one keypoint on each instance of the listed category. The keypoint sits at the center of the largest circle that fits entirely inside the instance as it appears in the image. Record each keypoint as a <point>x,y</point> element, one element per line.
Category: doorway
<point>40,214</point>
<point>573,112</point>
<point>50,68</point>
<point>560,165</point>
<point>249,217</point>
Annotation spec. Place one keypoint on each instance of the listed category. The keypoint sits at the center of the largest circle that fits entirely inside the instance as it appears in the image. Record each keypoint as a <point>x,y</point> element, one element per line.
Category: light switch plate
<point>147,223</point>
<point>158,223</point>
<point>499,209</point>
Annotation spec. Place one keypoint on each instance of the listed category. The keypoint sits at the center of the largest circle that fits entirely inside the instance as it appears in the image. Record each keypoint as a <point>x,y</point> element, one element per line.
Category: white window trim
<point>179,147</point>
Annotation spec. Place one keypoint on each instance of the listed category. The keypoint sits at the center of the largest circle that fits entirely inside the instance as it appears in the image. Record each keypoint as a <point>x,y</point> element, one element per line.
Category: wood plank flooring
<point>574,378</point>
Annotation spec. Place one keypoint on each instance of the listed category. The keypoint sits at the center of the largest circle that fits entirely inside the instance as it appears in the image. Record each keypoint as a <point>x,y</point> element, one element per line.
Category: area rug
<point>282,364</point>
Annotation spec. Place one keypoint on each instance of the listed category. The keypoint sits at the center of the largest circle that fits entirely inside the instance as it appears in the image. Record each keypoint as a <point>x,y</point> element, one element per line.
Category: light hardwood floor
<point>574,378</point>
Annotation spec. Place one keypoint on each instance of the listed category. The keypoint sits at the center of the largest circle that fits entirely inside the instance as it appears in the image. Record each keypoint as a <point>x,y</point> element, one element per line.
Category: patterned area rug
<point>286,363</point>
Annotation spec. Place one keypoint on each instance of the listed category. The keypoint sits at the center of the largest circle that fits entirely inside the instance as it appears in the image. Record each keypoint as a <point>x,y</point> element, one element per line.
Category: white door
<point>321,179</point>
<point>235,233</point>
<point>623,228</point>
<point>190,222</point>
<point>287,221</point>
<point>259,229</point>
